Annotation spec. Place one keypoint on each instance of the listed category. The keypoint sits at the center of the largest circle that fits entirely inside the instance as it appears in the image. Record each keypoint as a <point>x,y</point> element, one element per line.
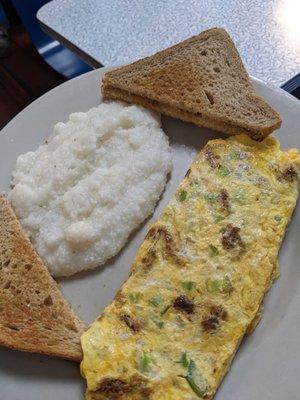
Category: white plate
<point>266,366</point>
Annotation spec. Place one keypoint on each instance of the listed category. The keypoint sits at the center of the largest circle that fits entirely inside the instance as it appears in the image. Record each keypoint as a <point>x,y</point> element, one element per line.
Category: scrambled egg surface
<point>198,279</point>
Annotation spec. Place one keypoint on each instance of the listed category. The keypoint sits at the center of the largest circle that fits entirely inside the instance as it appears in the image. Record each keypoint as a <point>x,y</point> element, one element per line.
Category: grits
<point>95,180</point>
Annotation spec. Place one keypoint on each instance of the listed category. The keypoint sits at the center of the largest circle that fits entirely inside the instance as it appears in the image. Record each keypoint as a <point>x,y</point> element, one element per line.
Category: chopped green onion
<point>156,301</point>
<point>165,310</point>
<point>144,363</point>
<point>213,250</point>
<point>166,216</point>
<point>223,171</point>
<point>234,156</point>
<point>226,285</point>
<point>215,285</point>
<point>134,297</point>
<point>240,196</point>
<point>188,285</point>
<point>190,226</point>
<point>182,195</point>
<point>278,218</point>
<point>158,323</point>
<point>194,182</point>
<point>195,388</point>
<point>191,368</point>
<point>211,198</point>
<point>212,285</point>
<point>193,375</point>
<point>184,361</point>
<point>218,218</point>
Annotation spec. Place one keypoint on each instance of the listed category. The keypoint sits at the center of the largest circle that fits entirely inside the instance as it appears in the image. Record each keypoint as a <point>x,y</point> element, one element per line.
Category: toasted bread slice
<point>34,315</point>
<point>201,80</point>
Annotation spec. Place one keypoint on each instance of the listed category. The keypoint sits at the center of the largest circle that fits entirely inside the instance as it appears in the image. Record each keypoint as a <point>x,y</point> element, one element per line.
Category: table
<point>111,32</point>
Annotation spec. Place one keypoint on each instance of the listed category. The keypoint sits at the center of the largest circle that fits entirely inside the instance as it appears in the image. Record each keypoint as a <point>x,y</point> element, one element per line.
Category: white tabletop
<point>266,32</point>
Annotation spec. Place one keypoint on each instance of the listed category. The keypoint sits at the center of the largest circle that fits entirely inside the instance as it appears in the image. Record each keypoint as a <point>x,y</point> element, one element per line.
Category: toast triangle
<point>34,315</point>
<point>200,80</point>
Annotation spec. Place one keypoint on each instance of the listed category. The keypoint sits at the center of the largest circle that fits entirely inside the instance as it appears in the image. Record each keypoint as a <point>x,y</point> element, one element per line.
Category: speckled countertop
<point>266,32</point>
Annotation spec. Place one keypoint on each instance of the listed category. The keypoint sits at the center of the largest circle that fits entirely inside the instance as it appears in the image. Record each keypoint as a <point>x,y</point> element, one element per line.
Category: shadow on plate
<point>35,366</point>
<point>188,134</point>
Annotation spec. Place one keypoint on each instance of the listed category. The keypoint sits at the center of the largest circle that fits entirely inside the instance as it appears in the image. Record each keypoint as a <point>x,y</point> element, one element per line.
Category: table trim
<point>71,46</point>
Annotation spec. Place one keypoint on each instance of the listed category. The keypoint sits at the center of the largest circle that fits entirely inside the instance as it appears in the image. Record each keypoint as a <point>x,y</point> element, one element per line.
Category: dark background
<point>24,75</point>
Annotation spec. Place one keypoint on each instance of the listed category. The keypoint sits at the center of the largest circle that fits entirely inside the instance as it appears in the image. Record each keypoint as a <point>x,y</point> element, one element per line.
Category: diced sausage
<point>231,237</point>
<point>219,312</point>
<point>183,303</point>
<point>113,388</point>
<point>212,158</point>
<point>289,174</point>
<point>210,323</point>
<point>130,322</point>
<point>224,199</point>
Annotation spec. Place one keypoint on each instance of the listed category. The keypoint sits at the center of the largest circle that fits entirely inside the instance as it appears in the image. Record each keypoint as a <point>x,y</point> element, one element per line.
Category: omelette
<point>199,278</point>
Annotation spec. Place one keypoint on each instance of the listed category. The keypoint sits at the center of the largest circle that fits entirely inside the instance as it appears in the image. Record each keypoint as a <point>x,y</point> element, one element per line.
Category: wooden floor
<point>24,76</point>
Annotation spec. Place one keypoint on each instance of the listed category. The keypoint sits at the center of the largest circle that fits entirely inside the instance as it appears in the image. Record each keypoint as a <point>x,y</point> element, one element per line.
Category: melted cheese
<point>198,279</point>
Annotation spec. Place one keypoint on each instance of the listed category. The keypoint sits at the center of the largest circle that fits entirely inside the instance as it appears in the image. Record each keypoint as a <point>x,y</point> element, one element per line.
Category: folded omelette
<point>198,279</point>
